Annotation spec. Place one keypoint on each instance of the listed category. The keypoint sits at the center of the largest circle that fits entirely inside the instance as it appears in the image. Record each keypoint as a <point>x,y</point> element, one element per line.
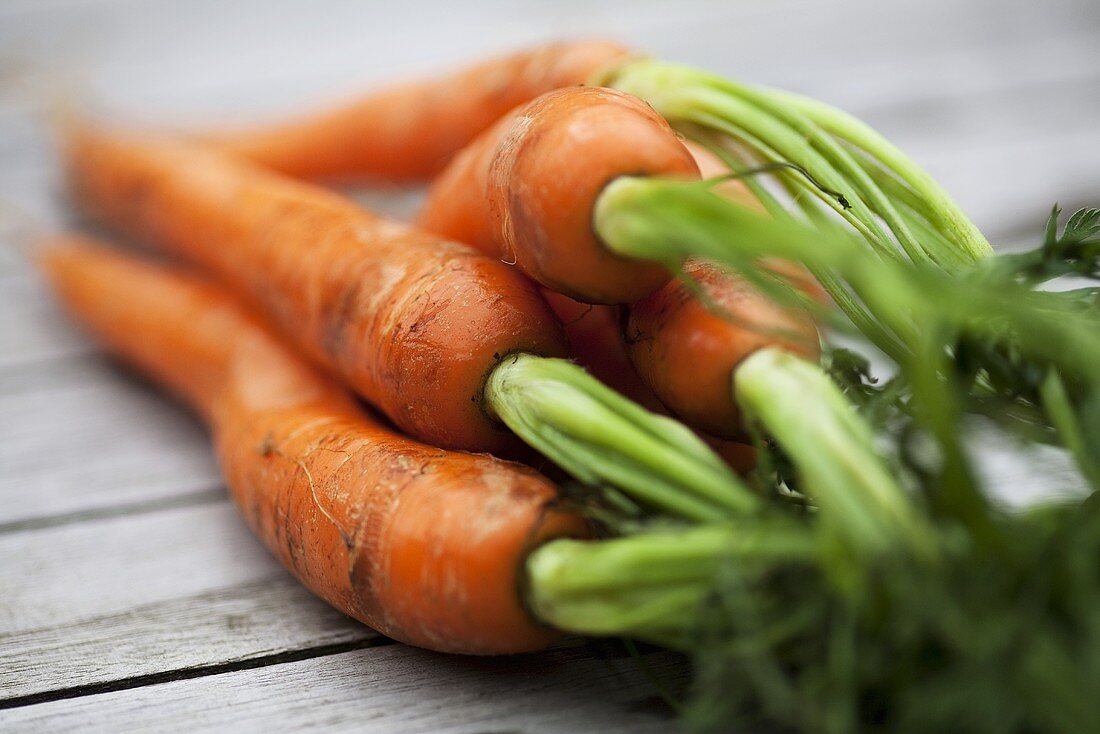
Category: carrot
<point>412,322</point>
<point>596,344</point>
<point>526,188</point>
<point>687,353</point>
<point>711,166</point>
<point>422,544</point>
<point>451,345</point>
<point>409,131</point>
<point>508,193</point>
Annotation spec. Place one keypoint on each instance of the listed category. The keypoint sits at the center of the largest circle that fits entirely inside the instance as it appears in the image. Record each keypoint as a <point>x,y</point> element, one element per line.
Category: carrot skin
<point>595,343</point>
<point>740,456</point>
<point>711,166</point>
<point>422,544</point>
<point>459,206</point>
<point>410,321</point>
<point>526,189</point>
<point>687,354</point>
<point>408,132</point>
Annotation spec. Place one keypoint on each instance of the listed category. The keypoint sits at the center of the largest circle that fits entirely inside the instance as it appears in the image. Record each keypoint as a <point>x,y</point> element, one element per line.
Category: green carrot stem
<point>948,216</point>
<point>846,165</point>
<point>833,450</point>
<point>841,294</point>
<point>737,161</point>
<point>687,95</point>
<point>668,221</point>
<point>938,402</point>
<point>918,216</point>
<point>601,437</point>
<point>1059,408</point>
<point>895,188</point>
<point>783,126</point>
<point>652,586</point>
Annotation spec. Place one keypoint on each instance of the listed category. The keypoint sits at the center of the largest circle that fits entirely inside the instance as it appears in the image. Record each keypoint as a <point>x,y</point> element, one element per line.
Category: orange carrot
<point>739,455</point>
<point>711,166</point>
<point>489,194</point>
<point>444,340</point>
<point>525,190</point>
<point>413,323</point>
<point>596,343</point>
<point>687,353</point>
<point>422,544</point>
<point>409,131</point>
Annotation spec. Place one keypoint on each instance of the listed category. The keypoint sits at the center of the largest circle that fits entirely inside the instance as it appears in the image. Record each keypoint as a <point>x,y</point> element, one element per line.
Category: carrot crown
<point>603,438</point>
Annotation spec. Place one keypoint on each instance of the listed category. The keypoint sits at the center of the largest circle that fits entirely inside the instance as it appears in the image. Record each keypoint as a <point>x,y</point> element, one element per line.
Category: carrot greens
<point>880,585</point>
<point>871,175</point>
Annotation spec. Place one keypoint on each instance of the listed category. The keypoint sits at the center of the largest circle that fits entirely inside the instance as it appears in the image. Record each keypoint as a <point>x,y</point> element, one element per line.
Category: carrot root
<point>409,131</point>
<point>422,544</point>
<point>525,190</point>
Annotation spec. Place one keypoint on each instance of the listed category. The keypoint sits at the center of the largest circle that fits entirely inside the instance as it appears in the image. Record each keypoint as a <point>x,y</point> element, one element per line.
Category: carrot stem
<point>653,586</point>
<point>946,213</point>
<point>685,94</point>
<point>832,447</point>
<point>824,142</point>
<point>1057,404</point>
<point>671,221</point>
<point>601,437</point>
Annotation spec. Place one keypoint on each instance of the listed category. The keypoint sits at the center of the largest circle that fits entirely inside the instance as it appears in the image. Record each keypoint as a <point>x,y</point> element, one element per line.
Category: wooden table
<point>131,596</point>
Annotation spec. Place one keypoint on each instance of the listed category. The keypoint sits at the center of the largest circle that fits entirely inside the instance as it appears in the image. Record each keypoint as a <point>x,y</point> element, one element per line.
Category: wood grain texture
<point>54,577</point>
<point>121,564</point>
<point>101,600</point>
<point>80,434</point>
<point>392,690</point>
<point>258,620</point>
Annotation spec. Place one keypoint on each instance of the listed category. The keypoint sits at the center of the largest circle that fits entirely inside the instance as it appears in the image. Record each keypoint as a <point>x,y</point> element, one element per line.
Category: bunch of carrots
<point>639,272</point>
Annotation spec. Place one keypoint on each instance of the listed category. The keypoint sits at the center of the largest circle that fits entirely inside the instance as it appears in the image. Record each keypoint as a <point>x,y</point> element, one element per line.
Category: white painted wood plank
<point>80,435</point>
<point>392,690</point>
<point>251,59</point>
<point>1009,185</point>
<point>32,329</point>
<point>891,66</point>
<point>260,619</point>
<point>102,615</point>
<point>58,576</point>
<point>99,601</point>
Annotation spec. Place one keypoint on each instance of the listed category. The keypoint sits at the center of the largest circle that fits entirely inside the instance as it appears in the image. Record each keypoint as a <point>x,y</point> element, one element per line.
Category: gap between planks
<point>123,684</point>
<point>141,507</point>
<point>572,686</point>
